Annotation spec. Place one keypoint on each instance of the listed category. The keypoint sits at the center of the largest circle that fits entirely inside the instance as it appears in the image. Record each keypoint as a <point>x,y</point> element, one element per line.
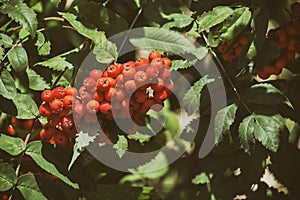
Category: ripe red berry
<point>45,110</point>
<point>28,124</point>
<point>140,78</point>
<point>159,85</point>
<point>92,106</point>
<point>71,91</point>
<point>60,139</point>
<point>96,74</point>
<point>158,62</point>
<point>129,73</point>
<point>166,74</point>
<point>109,93</point>
<point>140,96</point>
<point>141,61</point>
<point>105,108</point>
<point>89,83</point>
<point>53,119</point>
<point>295,8</point>
<point>102,84</point>
<point>11,130</point>
<point>154,54</point>
<point>68,101</point>
<point>85,96</point>
<point>152,72</point>
<point>161,95</point>
<point>56,105</point>
<point>47,96</point>
<point>67,122</point>
<point>167,61</point>
<point>64,112</point>
<point>113,71</point>
<point>127,65</point>
<point>98,96</point>
<point>45,135</point>
<point>78,110</point>
<point>243,40</point>
<point>130,86</point>
<point>59,92</point>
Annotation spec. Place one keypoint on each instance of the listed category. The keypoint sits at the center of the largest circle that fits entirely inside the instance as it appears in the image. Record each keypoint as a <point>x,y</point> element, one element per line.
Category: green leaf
<point>266,129</point>
<point>155,168</point>
<point>96,36</point>
<point>201,178</point>
<point>181,64</point>
<point>21,13</point>
<point>7,85</point>
<point>1,53</point>
<point>82,140</point>
<point>178,20</point>
<point>55,2</point>
<point>163,40</point>
<point>265,94</point>
<point>18,59</point>
<point>139,137</point>
<point>36,82</point>
<point>8,177</point>
<point>34,150</point>
<point>191,100</point>
<point>6,40</point>
<point>193,32</point>
<point>57,63</point>
<point>121,146</point>
<point>23,33</point>
<point>62,81</point>
<point>200,52</point>
<point>27,108</point>
<point>224,119</point>
<point>43,46</point>
<point>13,146</point>
<point>214,17</point>
<point>106,52</point>
<point>29,188</point>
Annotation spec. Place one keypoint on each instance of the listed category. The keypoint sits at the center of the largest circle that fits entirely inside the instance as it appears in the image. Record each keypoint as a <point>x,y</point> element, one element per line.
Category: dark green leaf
<point>82,140</point>
<point>57,63</point>
<point>106,52</point>
<point>193,32</point>
<point>201,178</point>
<point>6,40</point>
<point>191,100</point>
<point>266,129</point>
<point>20,12</point>
<point>155,168</point>
<point>34,150</point>
<point>96,36</point>
<point>164,40</point>
<point>181,64</point>
<point>55,2</point>
<point>8,177</point>
<point>121,146</point>
<point>18,59</point>
<point>178,20</point>
<point>36,82</point>
<point>29,188</point>
<point>27,108</point>
<point>214,17</point>
<point>43,46</point>
<point>224,119</point>
<point>7,85</point>
<point>13,146</point>
<point>62,81</point>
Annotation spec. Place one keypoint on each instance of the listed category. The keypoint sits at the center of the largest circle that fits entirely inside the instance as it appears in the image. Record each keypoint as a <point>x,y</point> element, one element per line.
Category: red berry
<point>295,8</point>
<point>105,108</point>
<point>103,84</point>
<point>78,111</point>
<point>45,135</point>
<point>152,72</point>
<point>166,74</point>
<point>129,73</point>
<point>56,105</point>
<point>140,78</point>
<point>45,110</point>
<point>60,139</point>
<point>113,71</point>
<point>11,130</point>
<point>119,95</point>
<point>153,55</point>
<point>92,106</point>
<point>64,112</point>
<point>98,96</point>
<point>53,119</point>
<point>109,93</point>
<point>47,96</point>
<point>158,62</point>
<point>130,85</point>
<point>127,65</point>
<point>167,61</point>
<point>89,83</point>
<point>161,95</point>
<point>96,74</point>
<point>28,124</point>
<point>71,91</point>
<point>140,96</point>
<point>141,61</point>
<point>67,122</point>
<point>243,40</point>
<point>59,92</point>
<point>68,101</point>
<point>159,85</point>
<point>85,96</point>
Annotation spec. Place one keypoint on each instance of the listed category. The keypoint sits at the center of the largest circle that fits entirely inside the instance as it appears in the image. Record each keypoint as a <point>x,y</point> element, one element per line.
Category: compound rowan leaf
<point>177,20</point>
<point>36,82</point>
<point>140,137</point>
<point>12,145</point>
<point>181,64</point>
<point>191,100</point>
<point>7,85</point>
<point>6,40</point>
<point>57,63</point>
<point>8,177</point>
<point>223,121</point>
<point>29,188</point>
<point>265,129</point>
<point>26,107</point>
<point>34,150</point>
<point>18,59</point>
<point>214,17</point>
<point>106,52</point>
<point>121,146</point>
<point>42,45</point>
<point>201,178</point>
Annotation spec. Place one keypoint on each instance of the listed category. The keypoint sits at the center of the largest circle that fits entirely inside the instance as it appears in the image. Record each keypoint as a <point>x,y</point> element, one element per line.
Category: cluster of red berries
<point>125,90</point>
<point>57,108</point>
<point>287,39</point>
<point>20,127</point>
<point>231,54</point>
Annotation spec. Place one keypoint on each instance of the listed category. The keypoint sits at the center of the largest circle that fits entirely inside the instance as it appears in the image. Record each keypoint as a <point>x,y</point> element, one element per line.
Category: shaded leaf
<point>181,64</point>
<point>18,59</point>
<point>178,20</point>
<point>26,107</point>
<point>6,40</point>
<point>201,178</point>
<point>36,82</point>
<point>121,146</point>
<point>21,13</point>
<point>139,137</point>
<point>29,188</point>
<point>7,85</point>
<point>106,52</point>
<point>43,46</point>
<point>34,150</point>
<point>57,63</point>
<point>13,146</point>
<point>224,119</point>
<point>214,17</point>
<point>8,177</point>
<point>191,100</point>
<point>55,2</point>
